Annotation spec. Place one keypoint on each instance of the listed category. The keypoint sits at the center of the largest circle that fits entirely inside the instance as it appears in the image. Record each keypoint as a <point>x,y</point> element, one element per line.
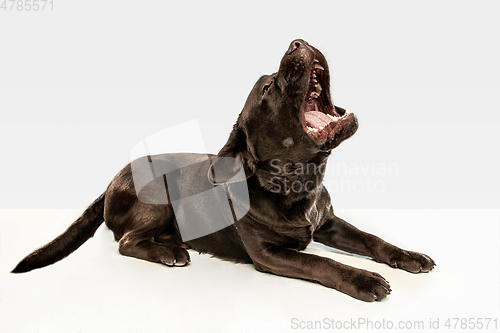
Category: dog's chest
<point>300,226</point>
<point>295,237</point>
<point>313,216</point>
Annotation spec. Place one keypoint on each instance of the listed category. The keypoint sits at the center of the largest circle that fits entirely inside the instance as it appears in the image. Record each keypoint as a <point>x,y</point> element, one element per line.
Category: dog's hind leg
<point>148,248</point>
<point>152,234</point>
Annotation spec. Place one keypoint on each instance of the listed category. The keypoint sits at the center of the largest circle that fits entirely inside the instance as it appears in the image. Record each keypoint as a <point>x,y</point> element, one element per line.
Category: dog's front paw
<point>413,262</point>
<point>364,285</point>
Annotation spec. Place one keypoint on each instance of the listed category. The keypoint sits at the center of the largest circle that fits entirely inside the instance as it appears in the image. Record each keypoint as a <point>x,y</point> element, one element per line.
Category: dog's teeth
<point>318,88</point>
<point>315,95</point>
<point>317,65</point>
<point>333,118</point>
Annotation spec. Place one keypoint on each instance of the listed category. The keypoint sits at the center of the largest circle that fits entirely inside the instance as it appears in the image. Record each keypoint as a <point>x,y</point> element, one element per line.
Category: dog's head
<point>295,104</point>
<point>289,117</point>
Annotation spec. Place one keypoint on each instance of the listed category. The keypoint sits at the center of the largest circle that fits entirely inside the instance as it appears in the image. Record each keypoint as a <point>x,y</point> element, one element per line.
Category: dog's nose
<point>296,44</point>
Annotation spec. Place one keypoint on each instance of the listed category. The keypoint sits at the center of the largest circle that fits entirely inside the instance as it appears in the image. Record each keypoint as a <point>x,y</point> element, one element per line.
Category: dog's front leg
<point>358,283</point>
<point>269,257</point>
<point>341,235</point>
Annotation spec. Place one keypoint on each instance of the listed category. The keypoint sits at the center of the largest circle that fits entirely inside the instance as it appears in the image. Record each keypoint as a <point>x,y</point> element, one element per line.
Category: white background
<point>96,289</point>
<point>81,85</point>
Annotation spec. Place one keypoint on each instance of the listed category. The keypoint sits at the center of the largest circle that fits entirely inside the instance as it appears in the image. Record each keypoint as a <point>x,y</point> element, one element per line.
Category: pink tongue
<point>317,119</point>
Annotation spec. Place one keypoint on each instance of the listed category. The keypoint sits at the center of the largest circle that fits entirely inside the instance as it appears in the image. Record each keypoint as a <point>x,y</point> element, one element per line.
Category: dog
<point>269,174</point>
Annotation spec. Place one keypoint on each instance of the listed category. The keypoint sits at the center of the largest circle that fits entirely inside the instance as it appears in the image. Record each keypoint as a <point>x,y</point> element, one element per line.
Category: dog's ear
<point>234,162</point>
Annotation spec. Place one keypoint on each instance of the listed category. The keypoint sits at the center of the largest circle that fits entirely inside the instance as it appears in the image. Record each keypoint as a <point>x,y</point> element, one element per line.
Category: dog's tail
<point>77,234</point>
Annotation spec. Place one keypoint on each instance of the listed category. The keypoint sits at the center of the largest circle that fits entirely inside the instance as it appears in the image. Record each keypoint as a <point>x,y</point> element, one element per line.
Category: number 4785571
<point>27,5</point>
<point>471,323</point>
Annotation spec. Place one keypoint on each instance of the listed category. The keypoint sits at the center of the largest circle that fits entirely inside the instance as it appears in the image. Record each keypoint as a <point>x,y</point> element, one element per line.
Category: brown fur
<point>271,141</point>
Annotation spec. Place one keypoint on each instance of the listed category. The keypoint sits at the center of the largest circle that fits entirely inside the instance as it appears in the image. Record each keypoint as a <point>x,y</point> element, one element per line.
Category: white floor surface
<point>97,290</point>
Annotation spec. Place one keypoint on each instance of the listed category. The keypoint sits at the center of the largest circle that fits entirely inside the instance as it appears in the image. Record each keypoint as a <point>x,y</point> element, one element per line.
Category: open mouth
<point>320,119</point>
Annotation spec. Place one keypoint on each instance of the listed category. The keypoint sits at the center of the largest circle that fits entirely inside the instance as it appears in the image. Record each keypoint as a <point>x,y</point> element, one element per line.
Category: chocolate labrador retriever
<point>273,160</point>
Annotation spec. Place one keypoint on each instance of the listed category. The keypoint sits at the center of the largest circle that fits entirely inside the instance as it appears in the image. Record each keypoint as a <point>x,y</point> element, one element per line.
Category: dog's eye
<point>267,86</point>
